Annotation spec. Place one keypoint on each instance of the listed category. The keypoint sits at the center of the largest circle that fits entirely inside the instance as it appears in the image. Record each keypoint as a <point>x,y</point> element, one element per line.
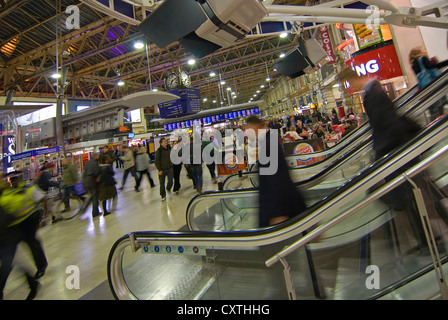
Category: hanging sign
<point>326,44</point>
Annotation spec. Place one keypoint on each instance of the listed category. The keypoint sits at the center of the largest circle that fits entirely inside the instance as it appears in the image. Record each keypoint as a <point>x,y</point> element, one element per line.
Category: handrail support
<point>438,267</point>
<point>288,278</point>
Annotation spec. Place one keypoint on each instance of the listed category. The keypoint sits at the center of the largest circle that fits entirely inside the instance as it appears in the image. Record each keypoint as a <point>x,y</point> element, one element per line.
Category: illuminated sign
<point>381,63</point>
<point>326,43</point>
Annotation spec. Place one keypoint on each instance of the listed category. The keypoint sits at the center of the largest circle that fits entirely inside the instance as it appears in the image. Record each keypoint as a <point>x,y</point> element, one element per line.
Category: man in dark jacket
<point>164,166</point>
<point>279,198</point>
<point>389,130</point>
<point>90,182</point>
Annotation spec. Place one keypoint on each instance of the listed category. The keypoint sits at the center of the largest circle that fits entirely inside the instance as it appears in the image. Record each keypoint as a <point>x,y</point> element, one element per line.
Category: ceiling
<point>101,52</point>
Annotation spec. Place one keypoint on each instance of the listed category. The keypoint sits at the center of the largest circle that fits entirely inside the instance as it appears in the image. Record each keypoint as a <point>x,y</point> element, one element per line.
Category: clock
<point>185,79</point>
<point>172,81</point>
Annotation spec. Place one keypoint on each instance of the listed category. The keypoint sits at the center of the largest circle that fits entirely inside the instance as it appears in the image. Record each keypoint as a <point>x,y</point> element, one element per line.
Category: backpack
<point>426,76</point>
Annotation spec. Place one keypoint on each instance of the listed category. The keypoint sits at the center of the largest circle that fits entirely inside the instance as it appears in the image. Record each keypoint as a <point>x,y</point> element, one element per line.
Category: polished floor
<point>85,242</point>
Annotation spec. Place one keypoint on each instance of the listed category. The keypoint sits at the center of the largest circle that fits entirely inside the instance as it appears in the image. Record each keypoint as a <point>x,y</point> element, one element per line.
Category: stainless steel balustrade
<point>352,157</point>
<point>294,228</point>
<point>404,103</point>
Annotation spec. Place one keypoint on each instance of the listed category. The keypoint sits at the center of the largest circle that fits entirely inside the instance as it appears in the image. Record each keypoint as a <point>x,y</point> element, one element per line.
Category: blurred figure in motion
<point>69,179</point>
<point>24,203</point>
<point>427,70</point>
<point>389,130</point>
<point>106,184</point>
<point>10,236</point>
<point>129,166</point>
<point>142,163</point>
<point>279,198</point>
<point>90,181</point>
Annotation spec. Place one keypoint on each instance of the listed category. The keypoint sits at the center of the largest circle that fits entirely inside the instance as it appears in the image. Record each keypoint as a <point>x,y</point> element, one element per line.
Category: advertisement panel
<point>302,147</point>
<point>382,64</point>
<point>326,44</point>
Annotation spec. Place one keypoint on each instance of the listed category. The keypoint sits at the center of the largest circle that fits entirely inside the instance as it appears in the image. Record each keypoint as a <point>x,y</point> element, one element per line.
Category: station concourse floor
<point>85,242</point>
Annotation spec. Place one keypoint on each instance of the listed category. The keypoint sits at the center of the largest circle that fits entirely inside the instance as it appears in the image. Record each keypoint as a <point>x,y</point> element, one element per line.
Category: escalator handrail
<point>308,183</point>
<point>376,173</point>
<point>253,192</point>
<point>421,166</point>
<point>422,95</point>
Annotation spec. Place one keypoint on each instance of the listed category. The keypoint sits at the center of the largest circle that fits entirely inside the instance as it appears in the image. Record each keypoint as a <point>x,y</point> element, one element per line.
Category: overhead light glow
<point>120,83</point>
<point>55,75</point>
<point>191,62</point>
<point>212,74</point>
<point>283,34</point>
<point>139,45</point>
<point>282,54</point>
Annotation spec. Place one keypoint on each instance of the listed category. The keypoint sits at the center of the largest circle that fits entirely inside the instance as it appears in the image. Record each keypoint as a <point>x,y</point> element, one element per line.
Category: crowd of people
<point>318,126</point>
<point>22,205</point>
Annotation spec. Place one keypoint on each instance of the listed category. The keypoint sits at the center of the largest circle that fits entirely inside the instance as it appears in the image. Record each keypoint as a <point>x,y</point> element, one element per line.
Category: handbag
<point>426,76</point>
<point>79,189</point>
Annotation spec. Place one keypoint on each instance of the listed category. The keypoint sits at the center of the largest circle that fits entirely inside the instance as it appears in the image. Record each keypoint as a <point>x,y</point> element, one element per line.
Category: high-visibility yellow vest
<point>19,202</point>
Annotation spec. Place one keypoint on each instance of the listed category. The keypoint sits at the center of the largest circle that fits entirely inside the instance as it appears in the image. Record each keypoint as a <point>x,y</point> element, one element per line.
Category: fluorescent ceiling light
<point>139,45</point>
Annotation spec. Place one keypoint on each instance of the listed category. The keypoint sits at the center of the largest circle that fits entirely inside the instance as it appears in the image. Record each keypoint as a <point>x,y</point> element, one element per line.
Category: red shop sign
<point>381,63</point>
<point>326,44</point>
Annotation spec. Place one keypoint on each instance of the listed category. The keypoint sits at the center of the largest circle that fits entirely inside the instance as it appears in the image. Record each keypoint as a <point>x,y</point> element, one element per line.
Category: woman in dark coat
<point>279,198</point>
<point>106,186</point>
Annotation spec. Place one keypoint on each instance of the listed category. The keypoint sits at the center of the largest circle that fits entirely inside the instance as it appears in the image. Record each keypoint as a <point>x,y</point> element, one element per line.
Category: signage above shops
<point>382,64</point>
<point>326,43</point>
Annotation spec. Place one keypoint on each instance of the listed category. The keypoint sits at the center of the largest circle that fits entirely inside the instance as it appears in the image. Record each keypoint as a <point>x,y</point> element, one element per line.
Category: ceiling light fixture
<point>139,45</point>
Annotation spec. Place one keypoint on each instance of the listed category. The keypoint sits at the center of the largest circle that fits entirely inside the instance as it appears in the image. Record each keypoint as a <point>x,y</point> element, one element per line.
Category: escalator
<point>303,258</point>
<point>238,209</point>
<point>407,104</point>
